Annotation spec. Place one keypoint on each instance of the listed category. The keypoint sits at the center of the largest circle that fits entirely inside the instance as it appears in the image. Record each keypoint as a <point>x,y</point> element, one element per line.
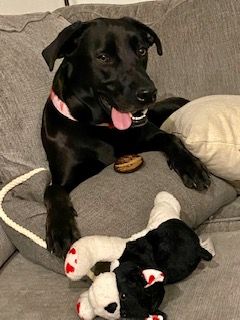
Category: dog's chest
<point>105,152</point>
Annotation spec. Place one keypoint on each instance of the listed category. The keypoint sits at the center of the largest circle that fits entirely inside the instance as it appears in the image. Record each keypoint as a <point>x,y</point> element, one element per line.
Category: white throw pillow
<point>210,128</point>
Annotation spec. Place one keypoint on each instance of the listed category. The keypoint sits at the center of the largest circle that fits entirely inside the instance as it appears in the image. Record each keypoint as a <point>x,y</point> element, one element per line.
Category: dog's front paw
<point>191,170</point>
<point>61,232</point>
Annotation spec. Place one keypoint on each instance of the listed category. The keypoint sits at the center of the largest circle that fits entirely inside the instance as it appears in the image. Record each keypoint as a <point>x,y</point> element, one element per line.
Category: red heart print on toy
<point>78,310</point>
<point>152,276</point>
<point>69,268</point>
<point>71,261</point>
<point>78,307</point>
<point>72,251</point>
<point>151,280</point>
<point>154,317</point>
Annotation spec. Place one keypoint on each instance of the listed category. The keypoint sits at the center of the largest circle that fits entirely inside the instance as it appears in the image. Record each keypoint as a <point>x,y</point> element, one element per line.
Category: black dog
<point>102,93</point>
<point>172,248</point>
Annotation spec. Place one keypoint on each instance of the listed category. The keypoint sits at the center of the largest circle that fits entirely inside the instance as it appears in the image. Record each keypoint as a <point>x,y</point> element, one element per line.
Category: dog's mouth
<point>124,120</point>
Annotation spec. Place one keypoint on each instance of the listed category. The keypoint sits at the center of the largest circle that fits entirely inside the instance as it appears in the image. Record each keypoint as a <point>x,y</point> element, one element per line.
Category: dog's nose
<point>146,95</point>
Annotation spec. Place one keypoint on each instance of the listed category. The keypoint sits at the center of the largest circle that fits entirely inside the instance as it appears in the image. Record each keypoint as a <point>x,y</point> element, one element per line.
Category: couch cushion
<point>108,203</point>
<point>209,128</point>
<point>200,39</point>
<point>6,247</point>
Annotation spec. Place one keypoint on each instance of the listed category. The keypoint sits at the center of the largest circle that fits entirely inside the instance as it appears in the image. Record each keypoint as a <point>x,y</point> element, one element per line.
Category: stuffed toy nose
<point>111,307</point>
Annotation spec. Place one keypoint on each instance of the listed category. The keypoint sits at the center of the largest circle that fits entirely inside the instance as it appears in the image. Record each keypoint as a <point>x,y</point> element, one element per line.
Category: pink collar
<point>61,106</point>
<point>64,110</point>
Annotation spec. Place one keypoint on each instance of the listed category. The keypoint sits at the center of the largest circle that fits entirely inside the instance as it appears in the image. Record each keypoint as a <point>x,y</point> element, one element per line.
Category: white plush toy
<point>102,298</point>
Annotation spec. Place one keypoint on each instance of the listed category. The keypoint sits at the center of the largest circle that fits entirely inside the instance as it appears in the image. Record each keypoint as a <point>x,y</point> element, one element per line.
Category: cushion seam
<point>218,220</point>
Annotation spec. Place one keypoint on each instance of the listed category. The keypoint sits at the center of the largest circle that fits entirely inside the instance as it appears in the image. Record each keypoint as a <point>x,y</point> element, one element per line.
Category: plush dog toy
<point>165,252</point>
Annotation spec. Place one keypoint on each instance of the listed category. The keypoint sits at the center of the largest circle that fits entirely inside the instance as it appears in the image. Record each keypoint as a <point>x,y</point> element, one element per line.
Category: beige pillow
<point>210,128</point>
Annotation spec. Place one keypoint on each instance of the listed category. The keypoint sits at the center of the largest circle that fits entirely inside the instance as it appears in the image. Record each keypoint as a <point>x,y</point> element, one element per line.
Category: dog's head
<point>140,291</point>
<point>103,74</point>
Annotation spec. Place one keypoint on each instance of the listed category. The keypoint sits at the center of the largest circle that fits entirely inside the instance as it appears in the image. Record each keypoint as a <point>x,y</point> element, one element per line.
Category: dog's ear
<point>64,44</point>
<point>151,36</point>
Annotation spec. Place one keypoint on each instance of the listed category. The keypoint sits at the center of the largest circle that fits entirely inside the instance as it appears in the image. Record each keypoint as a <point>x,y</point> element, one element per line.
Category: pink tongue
<point>121,120</point>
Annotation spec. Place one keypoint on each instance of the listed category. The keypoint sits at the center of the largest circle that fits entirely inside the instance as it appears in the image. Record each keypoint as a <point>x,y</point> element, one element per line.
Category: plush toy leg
<point>166,207</point>
<point>87,251</point>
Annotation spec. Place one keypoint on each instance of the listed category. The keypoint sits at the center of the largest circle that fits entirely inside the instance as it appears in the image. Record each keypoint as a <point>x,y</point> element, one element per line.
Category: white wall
<point>27,6</point>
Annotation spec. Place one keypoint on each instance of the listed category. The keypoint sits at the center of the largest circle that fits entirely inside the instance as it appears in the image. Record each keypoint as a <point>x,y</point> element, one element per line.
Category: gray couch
<point>201,54</point>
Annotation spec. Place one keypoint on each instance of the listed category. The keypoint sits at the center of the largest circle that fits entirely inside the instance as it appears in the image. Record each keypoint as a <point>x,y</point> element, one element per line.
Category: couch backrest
<point>200,38</point>
<point>25,82</point>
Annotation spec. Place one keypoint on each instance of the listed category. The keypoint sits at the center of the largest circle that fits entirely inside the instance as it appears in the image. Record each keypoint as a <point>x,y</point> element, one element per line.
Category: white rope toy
<point>8,187</point>
<point>20,229</point>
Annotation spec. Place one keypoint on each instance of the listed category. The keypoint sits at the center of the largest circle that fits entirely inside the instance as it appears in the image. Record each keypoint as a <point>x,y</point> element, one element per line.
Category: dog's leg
<point>61,226</point>
<point>163,109</point>
<point>191,170</point>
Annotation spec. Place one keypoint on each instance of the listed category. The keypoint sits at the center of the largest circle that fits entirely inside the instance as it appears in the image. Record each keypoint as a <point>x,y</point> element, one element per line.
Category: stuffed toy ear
<point>152,276</point>
<point>84,308</point>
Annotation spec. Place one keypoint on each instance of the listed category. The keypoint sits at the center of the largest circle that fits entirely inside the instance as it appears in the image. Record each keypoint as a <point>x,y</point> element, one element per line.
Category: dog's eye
<point>142,52</point>
<point>123,296</point>
<point>104,58</point>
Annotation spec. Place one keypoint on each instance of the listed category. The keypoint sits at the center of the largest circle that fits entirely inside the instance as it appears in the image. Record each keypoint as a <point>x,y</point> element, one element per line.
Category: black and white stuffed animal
<point>165,252</point>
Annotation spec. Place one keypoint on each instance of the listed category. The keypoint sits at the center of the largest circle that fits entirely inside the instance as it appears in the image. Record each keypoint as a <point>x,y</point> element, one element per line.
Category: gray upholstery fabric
<point>225,219</point>
<point>110,203</point>
<point>25,83</point>
<point>6,247</point>
<point>30,292</point>
<point>200,39</point>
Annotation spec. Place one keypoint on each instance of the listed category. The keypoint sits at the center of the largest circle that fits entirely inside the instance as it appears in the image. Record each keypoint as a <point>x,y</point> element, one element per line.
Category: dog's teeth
<point>138,118</point>
<point>144,112</point>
